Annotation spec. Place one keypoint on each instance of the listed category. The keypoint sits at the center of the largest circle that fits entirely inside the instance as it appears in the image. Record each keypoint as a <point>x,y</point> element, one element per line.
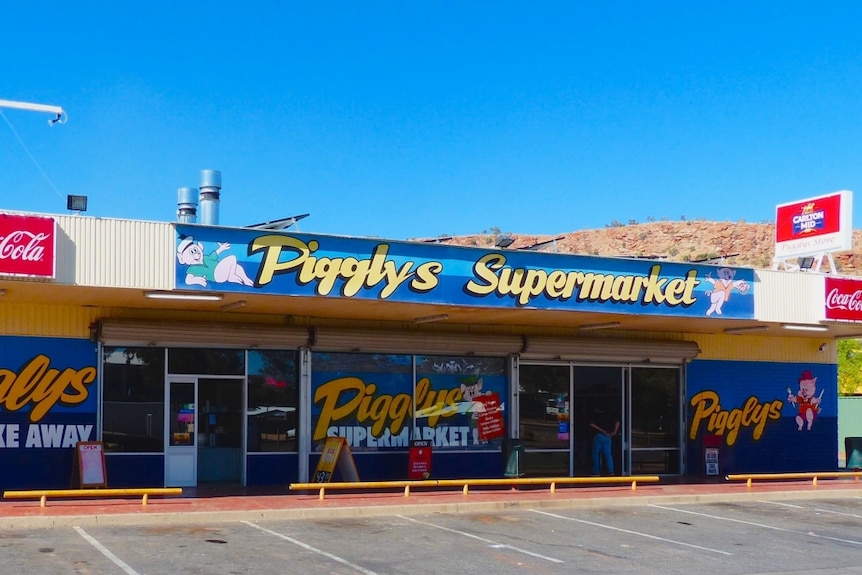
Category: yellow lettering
<point>729,423</point>
<point>40,386</point>
<point>273,247</point>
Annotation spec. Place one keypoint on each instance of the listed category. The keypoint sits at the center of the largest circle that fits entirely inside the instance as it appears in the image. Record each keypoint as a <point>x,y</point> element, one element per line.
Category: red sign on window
<point>491,425</point>
<point>843,299</point>
<point>28,246</point>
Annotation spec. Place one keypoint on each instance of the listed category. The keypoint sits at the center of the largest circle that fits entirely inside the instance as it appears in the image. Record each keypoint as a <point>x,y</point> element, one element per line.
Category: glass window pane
<point>365,398</point>
<point>655,461</point>
<point>655,418</point>
<point>461,401</point>
<point>273,399</point>
<point>133,409</point>
<point>182,420</point>
<point>206,361</point>
<point>544,407</point>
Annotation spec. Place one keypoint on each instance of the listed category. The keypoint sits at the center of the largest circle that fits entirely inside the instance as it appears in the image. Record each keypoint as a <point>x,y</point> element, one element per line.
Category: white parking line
<point>780,503</point>
<point>312,549</point>
<point>494,544</point>
<point>763,525</point>
<point>104,551</point>
<point>647,535</point>
<point>839,513</point>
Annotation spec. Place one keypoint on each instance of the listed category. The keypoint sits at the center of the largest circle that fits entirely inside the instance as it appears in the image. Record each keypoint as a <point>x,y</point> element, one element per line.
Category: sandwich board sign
<point>336,454</point>
<point>90,459</point>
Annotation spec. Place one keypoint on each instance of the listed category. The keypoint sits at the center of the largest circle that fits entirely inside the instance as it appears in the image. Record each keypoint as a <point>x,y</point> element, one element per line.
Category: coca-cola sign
<point>843,299</point>
<point>28,246</point>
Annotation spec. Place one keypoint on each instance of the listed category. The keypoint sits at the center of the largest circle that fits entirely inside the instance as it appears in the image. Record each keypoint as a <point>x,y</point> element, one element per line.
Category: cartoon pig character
<point>807,406</point>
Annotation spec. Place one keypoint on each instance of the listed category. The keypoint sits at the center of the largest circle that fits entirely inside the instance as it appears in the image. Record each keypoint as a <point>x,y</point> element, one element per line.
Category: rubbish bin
<point>853,452</point>
<point>513,455</point>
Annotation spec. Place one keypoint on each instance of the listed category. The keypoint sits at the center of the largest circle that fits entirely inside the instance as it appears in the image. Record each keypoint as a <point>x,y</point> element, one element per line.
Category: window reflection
<point>273,398</point>
<point>133,406</point>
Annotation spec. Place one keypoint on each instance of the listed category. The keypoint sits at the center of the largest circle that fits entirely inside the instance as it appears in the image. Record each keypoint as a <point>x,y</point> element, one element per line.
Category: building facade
<point>201,353</point>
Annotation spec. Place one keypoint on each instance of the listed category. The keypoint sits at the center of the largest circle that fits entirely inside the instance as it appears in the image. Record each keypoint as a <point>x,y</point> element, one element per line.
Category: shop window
<point>273,401</point>
<point>373,400</point>
<point>655,420</point>
<point>133,408</point>
<point>365,398</point>
<point>206,361</point>
<point>461,401</point>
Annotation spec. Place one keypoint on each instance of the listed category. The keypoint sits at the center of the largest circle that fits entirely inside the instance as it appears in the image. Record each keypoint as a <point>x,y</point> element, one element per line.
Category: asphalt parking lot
<point>812,536</point>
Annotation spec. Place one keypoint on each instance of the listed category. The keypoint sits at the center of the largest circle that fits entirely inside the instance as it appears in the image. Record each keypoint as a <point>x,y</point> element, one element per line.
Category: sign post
<point>336,453</point>
<point>419,459</point>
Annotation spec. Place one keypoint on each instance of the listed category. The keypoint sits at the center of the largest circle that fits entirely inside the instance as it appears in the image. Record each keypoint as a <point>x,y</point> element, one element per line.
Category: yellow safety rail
<point>465,484</point>
<point>44,494</point>
<point>812,475</point>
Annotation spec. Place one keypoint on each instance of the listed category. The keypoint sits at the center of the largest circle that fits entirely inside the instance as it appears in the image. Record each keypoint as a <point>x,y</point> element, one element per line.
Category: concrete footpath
<point>217,505</point>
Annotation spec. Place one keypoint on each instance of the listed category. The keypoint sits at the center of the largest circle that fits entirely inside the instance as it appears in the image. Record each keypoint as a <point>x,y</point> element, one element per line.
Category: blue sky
<point>419,119</point>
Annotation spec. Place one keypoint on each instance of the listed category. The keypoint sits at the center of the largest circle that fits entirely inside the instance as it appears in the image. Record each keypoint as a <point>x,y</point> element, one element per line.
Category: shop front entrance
<point>557,403</point>
<point>204,431</point>
<point>563,407</point>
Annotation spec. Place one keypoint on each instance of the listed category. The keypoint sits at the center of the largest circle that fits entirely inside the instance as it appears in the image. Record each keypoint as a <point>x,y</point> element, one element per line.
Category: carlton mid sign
<point>814,226</point>
<point>843,299</point>
<point>28,246</point>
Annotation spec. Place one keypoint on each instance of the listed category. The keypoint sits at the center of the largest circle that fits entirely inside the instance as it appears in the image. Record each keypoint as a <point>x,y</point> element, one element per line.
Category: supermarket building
<point>201,353</point>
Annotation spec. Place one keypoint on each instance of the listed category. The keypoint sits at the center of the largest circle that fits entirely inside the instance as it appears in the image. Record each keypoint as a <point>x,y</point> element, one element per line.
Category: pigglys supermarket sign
<point>227,259</point>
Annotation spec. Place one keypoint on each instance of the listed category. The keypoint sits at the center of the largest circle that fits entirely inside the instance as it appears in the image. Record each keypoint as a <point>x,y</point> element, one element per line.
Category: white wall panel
<point>789,297</point>
<point>115,253</point>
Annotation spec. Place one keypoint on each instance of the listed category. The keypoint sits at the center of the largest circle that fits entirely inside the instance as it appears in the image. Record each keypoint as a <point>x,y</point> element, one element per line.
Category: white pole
<point>36,108</point>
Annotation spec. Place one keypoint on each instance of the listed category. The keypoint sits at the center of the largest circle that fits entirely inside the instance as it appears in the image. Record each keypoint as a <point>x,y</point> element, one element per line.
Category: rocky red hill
<point>738,243</point>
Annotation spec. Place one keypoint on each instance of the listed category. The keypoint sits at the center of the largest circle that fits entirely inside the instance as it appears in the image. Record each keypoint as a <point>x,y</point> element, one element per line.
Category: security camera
<point>822,347</point>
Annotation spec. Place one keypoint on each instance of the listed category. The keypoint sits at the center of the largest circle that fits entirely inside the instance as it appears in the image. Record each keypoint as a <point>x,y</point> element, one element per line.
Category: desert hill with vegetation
<point>737,244</point>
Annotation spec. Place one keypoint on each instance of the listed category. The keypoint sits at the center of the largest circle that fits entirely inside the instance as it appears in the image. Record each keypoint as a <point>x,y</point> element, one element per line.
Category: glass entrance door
<point>600,442</point>
<point>572,418</point>
<point>219,453</point>
<point>545,419</point>
<point>181,436</point>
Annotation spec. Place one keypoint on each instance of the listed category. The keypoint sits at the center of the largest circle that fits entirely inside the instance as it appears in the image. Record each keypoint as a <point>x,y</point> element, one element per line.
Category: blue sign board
<point>210,258</point>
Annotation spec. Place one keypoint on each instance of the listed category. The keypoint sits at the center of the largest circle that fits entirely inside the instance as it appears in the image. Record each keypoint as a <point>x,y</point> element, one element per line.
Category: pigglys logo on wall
<point>27,246</point>
<point>710,417</point>
<point>371,401</point>
<point>45,398</point>
<point>768,416</point>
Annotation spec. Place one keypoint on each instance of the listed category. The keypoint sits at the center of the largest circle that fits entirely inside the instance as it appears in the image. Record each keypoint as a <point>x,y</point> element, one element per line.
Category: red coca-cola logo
<point>843,299</point>
<point>848,301</point>
<point>27,245</point>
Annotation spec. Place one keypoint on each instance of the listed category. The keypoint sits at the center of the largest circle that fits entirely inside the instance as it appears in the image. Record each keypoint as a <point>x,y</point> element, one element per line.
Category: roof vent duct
<point>210,192</point>
<point>187,205</point>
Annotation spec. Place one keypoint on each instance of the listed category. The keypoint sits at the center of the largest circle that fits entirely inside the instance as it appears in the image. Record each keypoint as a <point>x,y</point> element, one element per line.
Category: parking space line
<point>780,503</point>
<point>494,544</point>
<point>630,532</point>
<point>839,513</point>
<point>106,552</point>
<point>312,549</point>
<point>763,525</point>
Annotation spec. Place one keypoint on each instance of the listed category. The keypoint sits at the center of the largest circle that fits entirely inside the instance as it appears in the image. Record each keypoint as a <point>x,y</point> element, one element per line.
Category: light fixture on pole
<point>60,114</point>
<point>76,203</point>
